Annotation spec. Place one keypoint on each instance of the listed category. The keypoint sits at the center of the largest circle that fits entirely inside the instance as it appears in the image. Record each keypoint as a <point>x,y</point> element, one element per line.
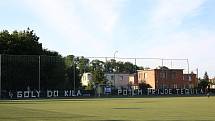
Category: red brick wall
<point>167,78</point>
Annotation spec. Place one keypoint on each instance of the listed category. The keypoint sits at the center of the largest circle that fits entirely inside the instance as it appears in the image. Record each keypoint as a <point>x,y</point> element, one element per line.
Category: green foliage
<point>97,70</point>
<point>83,64</point>
<point>52,72</point>
<point>144,85</point>
<point>18,72</point>
<point>119,67</point>
<point>204,83</point>
<point>206,77</point>
<point>20,62</point>
<point>22,43</point>
<point>72,75</point>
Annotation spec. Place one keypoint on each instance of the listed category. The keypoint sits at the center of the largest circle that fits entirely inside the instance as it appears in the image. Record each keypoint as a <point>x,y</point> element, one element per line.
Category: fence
<point>34,72</point>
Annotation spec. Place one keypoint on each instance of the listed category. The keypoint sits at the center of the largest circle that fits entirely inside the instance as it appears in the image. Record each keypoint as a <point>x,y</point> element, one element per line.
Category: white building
<point>118,80</point>
<point>212,83</point>
<point>86,79</point>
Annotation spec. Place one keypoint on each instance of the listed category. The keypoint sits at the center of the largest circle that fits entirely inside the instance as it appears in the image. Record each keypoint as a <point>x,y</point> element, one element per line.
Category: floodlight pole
<point>162,62</point>
<point>114,56</point>
<point>171,64</point>
<point>188,66</point>
<point>135,64</point>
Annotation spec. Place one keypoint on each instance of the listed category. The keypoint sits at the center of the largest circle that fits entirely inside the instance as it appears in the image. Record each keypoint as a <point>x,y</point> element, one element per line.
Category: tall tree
<point>119,67</point>
<point>73,77</point>
<point>24,42</point>
<point>83,64</point>
<point>97,70</point>
<point>110,66</point>
<point>206,77</point>
<point>20,43</point>
<point>204,83</point>
<point>20,66</point>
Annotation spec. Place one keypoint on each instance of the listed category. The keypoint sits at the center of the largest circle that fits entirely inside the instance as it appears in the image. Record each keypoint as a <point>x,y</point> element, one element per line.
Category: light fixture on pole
<point>114,56</point>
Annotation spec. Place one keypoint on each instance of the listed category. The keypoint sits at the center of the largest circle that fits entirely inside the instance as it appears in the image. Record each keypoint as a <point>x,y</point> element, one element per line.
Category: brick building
<point>167,78</point>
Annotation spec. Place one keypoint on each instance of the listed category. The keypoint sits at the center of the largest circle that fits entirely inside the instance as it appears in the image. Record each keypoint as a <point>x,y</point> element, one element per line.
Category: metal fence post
<point>39,74</point>
<point>74,69</point>
<point>0,76</point>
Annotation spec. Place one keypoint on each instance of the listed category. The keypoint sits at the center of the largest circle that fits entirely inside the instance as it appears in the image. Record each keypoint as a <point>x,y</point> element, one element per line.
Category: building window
<point>173,75</point>
<point>175,86</point>
<point>121,78</point>
<point>163,75</point>
<point>189,77</point>
<point>145,75</point>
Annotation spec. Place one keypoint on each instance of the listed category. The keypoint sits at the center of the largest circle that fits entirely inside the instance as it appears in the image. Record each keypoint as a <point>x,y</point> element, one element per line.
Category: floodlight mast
<point>114,56</point>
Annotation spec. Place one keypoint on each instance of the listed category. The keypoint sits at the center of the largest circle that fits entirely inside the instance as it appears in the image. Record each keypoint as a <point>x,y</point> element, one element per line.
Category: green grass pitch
<point>109,109</point>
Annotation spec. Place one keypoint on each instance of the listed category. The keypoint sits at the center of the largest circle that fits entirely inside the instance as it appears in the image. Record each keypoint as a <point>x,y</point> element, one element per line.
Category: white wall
<point>86,79</point>
<point>121,80</point>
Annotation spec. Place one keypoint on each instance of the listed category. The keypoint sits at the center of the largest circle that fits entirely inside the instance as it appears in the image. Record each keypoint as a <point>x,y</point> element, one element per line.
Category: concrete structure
<point>119,80</point>
<point>167,78</point>
<point>86,79</point>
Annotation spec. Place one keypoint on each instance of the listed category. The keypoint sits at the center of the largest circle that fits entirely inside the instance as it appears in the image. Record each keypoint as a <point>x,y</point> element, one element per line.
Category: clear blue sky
<point>136,28</point>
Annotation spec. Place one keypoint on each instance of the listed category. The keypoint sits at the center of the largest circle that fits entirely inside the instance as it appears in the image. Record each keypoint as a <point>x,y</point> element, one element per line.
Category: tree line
<point>26,64</point>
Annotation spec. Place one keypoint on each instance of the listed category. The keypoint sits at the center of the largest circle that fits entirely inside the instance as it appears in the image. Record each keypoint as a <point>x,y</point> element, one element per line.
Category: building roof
<point>161,68</point>
<point>119,73</point>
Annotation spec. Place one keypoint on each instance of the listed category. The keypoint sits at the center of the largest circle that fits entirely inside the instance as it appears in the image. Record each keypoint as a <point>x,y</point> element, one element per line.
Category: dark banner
<point>88,93</point>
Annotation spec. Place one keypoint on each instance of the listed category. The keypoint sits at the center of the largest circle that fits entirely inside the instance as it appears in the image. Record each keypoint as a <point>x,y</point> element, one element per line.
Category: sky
<point>182,29</point>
